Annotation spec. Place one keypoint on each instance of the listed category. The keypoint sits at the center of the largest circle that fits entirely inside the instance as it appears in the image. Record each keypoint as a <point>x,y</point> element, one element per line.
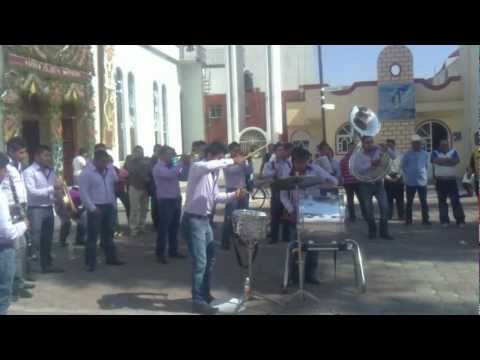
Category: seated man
<point>290,200</point>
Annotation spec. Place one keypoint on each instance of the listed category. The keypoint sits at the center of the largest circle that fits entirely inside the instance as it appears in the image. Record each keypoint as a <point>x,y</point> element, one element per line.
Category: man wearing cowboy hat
<point>415,170</point>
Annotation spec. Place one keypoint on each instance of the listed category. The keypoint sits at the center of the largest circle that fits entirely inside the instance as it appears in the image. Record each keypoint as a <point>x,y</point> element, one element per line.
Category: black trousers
<point>276,211</point>
<point>100,224</point>
<point>353,190</point>
<point>395,193</point>
<point>169,212</point>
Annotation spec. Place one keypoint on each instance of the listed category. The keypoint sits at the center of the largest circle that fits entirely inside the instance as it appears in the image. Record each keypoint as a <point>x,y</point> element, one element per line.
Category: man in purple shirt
<point>97,192</point>
<point>166,175</point>
<point>235,178</point>
<point>202,193</point>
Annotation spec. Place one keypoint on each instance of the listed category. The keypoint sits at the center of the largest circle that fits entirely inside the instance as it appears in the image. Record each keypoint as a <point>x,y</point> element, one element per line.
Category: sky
<point>345,64</point>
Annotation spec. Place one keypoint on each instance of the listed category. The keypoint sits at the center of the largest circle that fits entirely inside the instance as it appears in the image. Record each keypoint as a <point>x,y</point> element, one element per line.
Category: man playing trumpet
<point>235,178</point>
<point>41,183</point>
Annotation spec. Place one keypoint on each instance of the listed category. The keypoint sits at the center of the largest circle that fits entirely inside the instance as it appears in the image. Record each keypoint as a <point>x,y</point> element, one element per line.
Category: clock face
<point>395,70</point>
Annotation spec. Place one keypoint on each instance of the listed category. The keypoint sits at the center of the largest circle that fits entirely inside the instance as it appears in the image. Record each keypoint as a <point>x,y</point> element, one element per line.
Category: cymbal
<point>293,182</point>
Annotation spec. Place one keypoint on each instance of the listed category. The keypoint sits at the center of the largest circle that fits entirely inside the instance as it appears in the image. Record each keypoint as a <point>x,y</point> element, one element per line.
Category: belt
<point>6,246</point>
<point>203,217</point>
<point>40,207</point>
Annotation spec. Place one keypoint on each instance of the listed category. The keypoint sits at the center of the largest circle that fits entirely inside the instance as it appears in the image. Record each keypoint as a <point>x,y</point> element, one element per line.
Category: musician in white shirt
<point>14,189</point>
<point>290,200</point>
<point>8,233</point>
<point>279,164</point>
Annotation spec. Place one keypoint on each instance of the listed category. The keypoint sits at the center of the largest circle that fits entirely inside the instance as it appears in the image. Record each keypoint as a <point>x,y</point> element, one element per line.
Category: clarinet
<point>18,214</point>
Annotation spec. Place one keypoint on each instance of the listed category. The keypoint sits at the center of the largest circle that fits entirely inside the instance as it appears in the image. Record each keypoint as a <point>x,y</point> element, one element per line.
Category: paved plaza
<point>425,270</point>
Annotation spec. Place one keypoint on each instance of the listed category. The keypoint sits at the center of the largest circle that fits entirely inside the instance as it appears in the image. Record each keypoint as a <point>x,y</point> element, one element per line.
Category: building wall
<point>435,103</point>
<point>216,129</point>
<point>2,138</point>
<point>148,67</point>
<point>255,101</point>
<point>193,126</point>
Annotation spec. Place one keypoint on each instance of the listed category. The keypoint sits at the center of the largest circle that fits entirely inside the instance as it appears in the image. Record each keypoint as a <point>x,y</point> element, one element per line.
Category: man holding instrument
<point>370,157</point>
<point>290,200</point>
<point>202,193</point>
<point>14,188</point>
<point>235,178</point>
<point>279,164</point>
<point>41,182</point>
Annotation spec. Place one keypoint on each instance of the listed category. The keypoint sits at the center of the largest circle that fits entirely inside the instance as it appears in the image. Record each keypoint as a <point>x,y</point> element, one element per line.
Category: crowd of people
<point>29,196</point>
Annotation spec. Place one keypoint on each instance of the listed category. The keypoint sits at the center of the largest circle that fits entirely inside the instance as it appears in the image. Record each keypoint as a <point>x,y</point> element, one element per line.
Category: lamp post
<point>322,93</point>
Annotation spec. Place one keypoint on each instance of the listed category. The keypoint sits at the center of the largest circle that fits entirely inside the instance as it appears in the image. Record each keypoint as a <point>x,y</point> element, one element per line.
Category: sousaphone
<point>364,122</point>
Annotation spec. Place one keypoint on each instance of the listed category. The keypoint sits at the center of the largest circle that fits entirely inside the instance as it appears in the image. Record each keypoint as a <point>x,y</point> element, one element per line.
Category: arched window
<point>120,115</point>
<point>132,110</point>
<point>156,111</point>
<point>431,133</point>
<point>301,138</point>
<point>252,139</point>
<point>343,137</point>
<point>165,116</point>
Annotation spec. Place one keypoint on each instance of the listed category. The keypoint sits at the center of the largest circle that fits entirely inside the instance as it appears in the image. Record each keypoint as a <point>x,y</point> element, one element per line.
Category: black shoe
<point>80,242</point>
<point>408,222</point>
<point>387,237</point>
<point>427,223</point>
<point>162,260</point>
<point>312,280</point>
<point>352,220</point>
<point>209,298</point>
<point>52,270</point>
<point>90,268</point>
<point>114,262</point>
<point>178,256</point>
<point>204,309</point>
<point>24,293</point>
<point>28,286</point>
<point>273,241</point>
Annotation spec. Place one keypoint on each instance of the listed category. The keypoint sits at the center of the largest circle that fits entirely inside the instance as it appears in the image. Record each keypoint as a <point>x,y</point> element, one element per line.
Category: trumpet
<point>66,199</point>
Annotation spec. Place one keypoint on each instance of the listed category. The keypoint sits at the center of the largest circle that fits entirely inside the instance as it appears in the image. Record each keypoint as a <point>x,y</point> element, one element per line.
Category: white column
<point>274,97</point>
<point>470,55</point>
<point>235,92</point>
<point>96,94</point>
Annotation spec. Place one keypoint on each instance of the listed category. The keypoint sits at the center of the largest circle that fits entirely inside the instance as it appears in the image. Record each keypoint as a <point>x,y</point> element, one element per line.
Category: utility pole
<point>322,93</point>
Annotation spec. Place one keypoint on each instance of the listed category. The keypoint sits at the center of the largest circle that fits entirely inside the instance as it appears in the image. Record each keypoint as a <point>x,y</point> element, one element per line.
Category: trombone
<point>66,199</point>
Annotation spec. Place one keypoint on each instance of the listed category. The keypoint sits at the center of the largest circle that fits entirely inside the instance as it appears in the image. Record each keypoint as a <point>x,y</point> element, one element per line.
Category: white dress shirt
<point>202,188</point>
<point>8,231</point>
<point>14,172</point>
<point>39,183</point>
<point>97,188</point>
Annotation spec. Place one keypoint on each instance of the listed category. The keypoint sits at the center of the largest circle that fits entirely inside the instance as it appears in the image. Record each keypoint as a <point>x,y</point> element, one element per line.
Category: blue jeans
<point>422,194</point>
<point>449,188</point>
<point>169,212</point>
<point>199,236</point>
<point>7,273</point>
<point>230,207</point>
<point>368,191</point>
<point>42,223</point>
<point>102,224</point>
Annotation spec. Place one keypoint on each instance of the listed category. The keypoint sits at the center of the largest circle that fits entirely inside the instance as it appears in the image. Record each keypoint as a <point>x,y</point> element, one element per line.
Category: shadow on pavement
<point>144,301</point>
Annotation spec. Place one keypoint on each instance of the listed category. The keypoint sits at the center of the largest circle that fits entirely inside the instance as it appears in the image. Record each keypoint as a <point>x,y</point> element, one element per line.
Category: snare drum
<point>321,218</point>
<point>250,225</point>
